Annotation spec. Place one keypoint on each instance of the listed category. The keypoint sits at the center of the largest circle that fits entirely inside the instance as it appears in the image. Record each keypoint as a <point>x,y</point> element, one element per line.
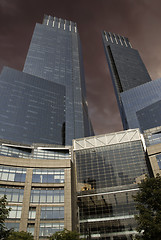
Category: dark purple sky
<point>139,20</point>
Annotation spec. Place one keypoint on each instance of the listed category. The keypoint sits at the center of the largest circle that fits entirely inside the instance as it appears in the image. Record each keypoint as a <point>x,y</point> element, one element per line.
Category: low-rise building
<point>108,168</point>
<point>37,182</point>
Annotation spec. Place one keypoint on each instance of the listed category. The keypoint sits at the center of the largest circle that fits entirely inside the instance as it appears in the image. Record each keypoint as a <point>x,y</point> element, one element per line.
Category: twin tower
<point>46,103</point>
<point>52,183</point>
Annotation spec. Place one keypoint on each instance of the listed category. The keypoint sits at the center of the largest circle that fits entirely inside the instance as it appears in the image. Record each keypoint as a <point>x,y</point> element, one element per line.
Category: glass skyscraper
<point>55,55</point>
<point>42,109</point>
<point>138,97</point>
<point>47,101</point>
<point>31,109</point>
<point>142,105</point>
<point>88,185</point>
<point>126,67</point>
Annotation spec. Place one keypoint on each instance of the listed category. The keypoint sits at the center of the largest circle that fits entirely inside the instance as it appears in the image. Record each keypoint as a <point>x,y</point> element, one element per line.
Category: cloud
<point>139,20</point>
<point>9,7</point>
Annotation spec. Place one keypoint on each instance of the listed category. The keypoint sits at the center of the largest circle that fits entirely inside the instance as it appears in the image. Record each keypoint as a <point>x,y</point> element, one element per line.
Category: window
<point>13,194</point>
<point>158,157</point>
<point>47,229</point>
<point>47,196</point>
<point>12,174</point>
<point>14,225</point>
<point>48,176</point>
<point>15,212</point>
<point>31,228</point>
<point>32,213</point>
<point>52,213</point>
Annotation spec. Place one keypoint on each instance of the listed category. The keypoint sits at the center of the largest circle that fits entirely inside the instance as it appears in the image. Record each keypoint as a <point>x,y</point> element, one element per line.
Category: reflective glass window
<point>12,174</point>
<point>47,196</point>
<point>14,225</point>
<point>52,213</point>
<point>13,194</point>
<point>112,165</point>
<point>48,176</point>
<point>32,213</point>
<point>31,228</point>
<point>15,212</point>
<point>47,229</point>
<point>158,157</point>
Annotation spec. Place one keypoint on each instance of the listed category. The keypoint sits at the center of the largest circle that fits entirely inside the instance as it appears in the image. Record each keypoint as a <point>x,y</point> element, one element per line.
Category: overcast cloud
<point>139,20</point>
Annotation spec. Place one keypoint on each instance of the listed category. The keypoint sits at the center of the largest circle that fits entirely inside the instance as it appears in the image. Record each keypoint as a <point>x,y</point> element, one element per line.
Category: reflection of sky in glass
<point>140,97</point>
<point>158,157</point>
<point>154,138</point>
<point>110,166</point>
<point>55,55</point>
<point>48,176</point>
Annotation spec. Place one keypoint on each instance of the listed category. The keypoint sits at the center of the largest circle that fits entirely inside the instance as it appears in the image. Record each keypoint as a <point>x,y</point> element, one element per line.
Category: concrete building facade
<point>153,143</point>
<point>37,182</point>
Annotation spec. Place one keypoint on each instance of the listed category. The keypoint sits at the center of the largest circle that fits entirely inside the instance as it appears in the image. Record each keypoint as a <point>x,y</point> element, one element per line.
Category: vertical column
<point>26,201</point>
<point>67,200</point>
<point>74,198</point>
<point>37,223</point>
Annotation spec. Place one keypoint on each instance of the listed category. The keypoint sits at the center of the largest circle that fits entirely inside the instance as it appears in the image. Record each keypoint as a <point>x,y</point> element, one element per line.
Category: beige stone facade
<point>45,206</point>
<point>153,143</point>
<point>153,151</point>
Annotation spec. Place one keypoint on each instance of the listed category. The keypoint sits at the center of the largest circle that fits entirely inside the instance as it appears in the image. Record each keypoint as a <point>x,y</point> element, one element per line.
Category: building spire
<point>113,38</point>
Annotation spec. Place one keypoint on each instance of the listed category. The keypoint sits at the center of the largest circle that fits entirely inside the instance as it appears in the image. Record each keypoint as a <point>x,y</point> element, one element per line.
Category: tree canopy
<point>20,236</point>
<point>6,234</point>
<point>65,235</point>
<point>148,204</point>
<point>4,213</point>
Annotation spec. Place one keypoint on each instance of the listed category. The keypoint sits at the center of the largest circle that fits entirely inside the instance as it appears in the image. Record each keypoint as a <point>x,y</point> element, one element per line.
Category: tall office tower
<point>42,109</point>
<point>142,105</point>
<point>117,162</point>
<point>126,67</point>
<point>46,103</point>
<point>31,108</point>
<point>55,55</point>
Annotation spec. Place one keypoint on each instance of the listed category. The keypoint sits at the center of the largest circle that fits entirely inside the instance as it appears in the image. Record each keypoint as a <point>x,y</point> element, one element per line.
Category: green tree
<point>148,204</point>
<point>4,212</point>
<point>20,236</point>
<point>65,235</point>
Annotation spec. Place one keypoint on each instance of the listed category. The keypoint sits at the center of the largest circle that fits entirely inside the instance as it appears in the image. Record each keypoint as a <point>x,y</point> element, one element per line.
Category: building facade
<point>142,105</point>
<point>138,97</point>
<point>108,168</point>
<point>41,110</point>
<point>126,67</point>
<point>37,182</point>
<point>55,55</point>
<point>32,109</point>
<point>53,183</point>
<point>153,143</point>
<point>48,102</point>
